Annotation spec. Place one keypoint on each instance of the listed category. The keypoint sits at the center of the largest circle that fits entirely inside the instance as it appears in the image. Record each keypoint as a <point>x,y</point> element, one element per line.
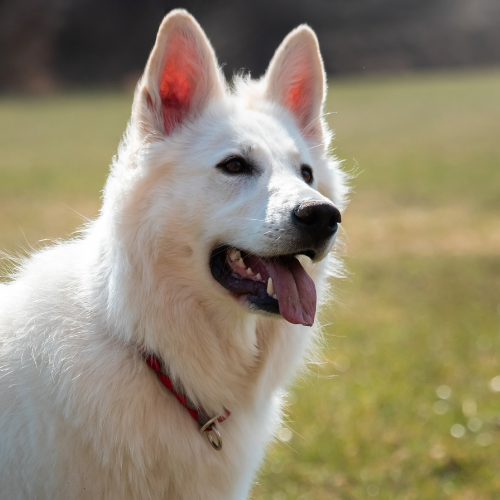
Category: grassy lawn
<point>402,405</point>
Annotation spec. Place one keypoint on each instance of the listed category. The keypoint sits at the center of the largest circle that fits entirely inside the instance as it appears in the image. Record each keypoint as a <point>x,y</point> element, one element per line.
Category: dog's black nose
<point>317,218</point>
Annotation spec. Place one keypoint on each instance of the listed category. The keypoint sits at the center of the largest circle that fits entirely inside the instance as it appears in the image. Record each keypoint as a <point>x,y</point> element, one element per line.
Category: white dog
<point>185,308</point>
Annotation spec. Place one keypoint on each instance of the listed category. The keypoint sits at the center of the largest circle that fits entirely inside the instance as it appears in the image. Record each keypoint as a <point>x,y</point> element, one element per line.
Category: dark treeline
<point>45,44</point>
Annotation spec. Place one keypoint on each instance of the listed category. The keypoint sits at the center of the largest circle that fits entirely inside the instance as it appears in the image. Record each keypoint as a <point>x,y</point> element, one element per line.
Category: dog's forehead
<point>265,136</point>
<point>262,136</point>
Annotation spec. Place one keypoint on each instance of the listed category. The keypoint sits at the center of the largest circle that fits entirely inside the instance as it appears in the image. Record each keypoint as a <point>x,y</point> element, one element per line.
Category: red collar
<point>205,422</point>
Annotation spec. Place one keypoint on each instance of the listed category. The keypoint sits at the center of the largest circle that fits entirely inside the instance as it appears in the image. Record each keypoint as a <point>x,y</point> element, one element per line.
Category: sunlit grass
<point>54,159</point>
<point>367,418</point>
<point>428,138</point>
<point>420,311</point>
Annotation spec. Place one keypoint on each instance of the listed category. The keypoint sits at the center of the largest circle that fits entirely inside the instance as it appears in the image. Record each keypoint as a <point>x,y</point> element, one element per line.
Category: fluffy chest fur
<point>208,183</point>
<point>85,417</point>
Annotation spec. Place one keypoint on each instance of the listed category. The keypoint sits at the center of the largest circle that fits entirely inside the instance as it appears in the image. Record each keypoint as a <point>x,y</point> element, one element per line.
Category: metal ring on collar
<point>208,428</point>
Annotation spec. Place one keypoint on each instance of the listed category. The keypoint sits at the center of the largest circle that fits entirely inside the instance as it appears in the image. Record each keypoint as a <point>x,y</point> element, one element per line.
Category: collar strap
<point>196,411</point>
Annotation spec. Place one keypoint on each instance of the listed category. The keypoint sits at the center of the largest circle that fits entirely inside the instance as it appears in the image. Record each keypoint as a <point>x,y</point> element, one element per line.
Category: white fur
<point>81,414</point>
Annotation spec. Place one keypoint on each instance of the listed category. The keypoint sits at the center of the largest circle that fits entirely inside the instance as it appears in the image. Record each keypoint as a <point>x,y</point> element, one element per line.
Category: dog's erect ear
<point>181,75</point>
<point>296,79</point>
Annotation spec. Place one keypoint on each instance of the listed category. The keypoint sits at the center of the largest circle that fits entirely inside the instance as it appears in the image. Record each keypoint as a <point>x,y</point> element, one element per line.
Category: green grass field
<point>403,405</point>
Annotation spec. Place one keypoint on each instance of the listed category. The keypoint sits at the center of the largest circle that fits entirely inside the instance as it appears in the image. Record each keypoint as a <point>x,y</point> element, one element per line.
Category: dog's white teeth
<point>240,263</point>
<point>274,296</point>
<point>234,254</point>
<point>258,277</point>
<point>270,287</point>
<point>249,271</point>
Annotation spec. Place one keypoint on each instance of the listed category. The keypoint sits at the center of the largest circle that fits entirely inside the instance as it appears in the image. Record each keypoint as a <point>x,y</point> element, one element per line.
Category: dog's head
<point>230,192</point>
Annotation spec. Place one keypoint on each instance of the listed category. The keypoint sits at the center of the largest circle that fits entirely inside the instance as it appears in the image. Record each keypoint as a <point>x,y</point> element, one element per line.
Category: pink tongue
<point>295,291</point>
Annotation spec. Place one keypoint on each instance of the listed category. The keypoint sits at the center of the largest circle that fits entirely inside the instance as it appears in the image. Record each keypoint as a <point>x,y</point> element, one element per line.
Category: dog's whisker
<point>248,218</point>
<point>314,147</point>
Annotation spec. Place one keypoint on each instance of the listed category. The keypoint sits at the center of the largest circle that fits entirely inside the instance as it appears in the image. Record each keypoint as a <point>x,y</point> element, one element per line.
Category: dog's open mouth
<point>278,285</point>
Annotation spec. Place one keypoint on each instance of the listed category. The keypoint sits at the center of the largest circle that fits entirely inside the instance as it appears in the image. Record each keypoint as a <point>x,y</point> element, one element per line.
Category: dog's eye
<point>307,174</point>
<point>234,166</point>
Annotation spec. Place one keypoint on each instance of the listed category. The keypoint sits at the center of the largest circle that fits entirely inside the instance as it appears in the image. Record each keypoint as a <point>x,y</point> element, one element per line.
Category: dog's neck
<point>222,359</point>
<point>223,355</point>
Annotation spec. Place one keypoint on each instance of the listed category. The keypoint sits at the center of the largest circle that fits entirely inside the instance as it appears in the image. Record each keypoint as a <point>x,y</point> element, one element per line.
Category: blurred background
<point>48,44</point>
<point>405,401</point>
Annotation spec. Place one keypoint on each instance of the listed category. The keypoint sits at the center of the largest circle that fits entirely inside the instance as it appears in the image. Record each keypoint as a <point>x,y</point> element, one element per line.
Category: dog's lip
<point>220,252</point>
<point>251,292</point>
<point>221,248</point>
<point>237,282</point>
<point>249,277</point>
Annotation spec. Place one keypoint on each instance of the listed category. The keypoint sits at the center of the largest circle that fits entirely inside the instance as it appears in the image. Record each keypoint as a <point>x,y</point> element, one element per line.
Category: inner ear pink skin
<point>177,84</point>
<point>294,98</point>
<point>300,101</point>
